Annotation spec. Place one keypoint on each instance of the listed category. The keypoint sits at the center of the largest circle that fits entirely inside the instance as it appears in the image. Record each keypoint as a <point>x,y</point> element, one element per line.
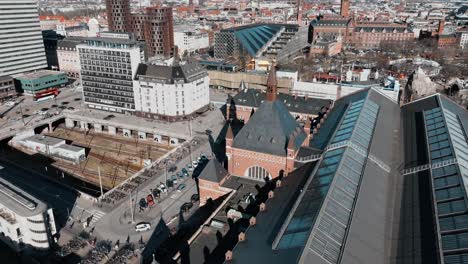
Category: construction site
<point>109,157</point>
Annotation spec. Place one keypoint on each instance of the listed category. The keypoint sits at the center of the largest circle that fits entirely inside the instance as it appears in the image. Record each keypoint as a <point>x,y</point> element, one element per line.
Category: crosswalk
<point>96,216</point>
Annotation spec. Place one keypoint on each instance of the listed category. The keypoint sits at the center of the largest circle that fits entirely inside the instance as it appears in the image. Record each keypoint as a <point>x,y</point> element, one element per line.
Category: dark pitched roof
<point>213,171</point>
<point>269,130</point>
<point>295,104</point>
<point>168,73</point>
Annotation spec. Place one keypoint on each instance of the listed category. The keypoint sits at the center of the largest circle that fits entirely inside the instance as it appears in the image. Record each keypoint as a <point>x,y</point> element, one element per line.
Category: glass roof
<point>325,209</point>
<point>253,38</point>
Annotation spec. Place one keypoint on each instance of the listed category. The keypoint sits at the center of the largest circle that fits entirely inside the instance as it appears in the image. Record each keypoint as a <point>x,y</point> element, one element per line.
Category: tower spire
<point>272,83</point>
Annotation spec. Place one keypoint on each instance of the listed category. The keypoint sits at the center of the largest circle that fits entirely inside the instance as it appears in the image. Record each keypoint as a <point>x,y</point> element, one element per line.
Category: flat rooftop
<point>37,75</point>
<point>71,148</point>
<point>19,201</point>
<point>46,140</point>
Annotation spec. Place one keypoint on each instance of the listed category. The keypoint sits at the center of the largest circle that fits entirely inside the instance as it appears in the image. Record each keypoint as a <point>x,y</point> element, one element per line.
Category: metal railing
<point>309,158</point>
<point>429,166</point>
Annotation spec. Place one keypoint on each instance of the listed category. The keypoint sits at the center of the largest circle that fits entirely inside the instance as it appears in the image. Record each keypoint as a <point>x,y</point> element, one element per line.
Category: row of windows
<point>38,231</point>
<point>108,92</point>
<point>94,54</point>
<point>40,241</point>
<point>106,80</point>
<point>35,221</point>
<point>89,95</point>
<point>108,69</point>
<point>108,102</point>
<point>107,75</point>
<point>107,86</point>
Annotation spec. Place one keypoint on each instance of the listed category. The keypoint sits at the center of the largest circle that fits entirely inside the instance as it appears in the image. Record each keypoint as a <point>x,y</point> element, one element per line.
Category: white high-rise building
<point>108,64</point>
<point>21,43</point>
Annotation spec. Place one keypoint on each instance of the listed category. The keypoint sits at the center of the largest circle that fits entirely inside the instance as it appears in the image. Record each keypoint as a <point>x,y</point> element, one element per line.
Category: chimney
<point>262,207</point>
<point>278,183</point>
<point>272,84</point>
<point>271,194</point>
<point>228,255</point>
<point>252,221</point>
<point>241,236</point>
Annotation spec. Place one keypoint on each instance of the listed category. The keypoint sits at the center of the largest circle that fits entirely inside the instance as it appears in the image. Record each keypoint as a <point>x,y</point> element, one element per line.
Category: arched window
<point>257,173</point>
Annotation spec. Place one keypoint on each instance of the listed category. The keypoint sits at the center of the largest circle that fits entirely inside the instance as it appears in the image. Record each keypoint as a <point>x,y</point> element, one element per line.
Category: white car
<point>141,227</point>
<point>162,188</point>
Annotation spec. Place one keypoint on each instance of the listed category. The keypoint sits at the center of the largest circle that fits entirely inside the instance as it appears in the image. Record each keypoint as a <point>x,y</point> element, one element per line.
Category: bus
<point>46,95</point>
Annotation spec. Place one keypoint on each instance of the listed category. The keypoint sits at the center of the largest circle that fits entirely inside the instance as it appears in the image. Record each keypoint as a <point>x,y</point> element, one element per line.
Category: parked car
<point>162,188</point>
<point>150,199</point>
<point>172,168</point>
<point>195,197</point>
<point>180,174</point>
<point>143,226</point>
<point>143,203</point>
<point>185,172</point>
<point>195,163</point>
<point>186,206</point>
<point>157,193</point>
<point>181,187</point>
<point>203,157</point>
<point>189,167</point>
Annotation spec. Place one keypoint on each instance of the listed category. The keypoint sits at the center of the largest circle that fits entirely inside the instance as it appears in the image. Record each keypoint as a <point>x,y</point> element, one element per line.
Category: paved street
<point>117,223</point>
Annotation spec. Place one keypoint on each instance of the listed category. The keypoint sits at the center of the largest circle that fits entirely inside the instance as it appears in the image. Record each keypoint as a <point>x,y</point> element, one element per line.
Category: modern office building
<point>21,44</point>
<point>171,91</point>
<point>25,222</point>
<point>35,82</point>
<point>68,57</point>
<point>108,65</point>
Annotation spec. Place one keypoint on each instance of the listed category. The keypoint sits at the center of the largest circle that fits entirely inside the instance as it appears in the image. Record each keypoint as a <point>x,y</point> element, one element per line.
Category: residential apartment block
<point>154,26</point>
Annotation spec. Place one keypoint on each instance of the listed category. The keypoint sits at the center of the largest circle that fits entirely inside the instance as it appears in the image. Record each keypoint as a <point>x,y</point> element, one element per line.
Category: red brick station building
<point>267,146</point>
